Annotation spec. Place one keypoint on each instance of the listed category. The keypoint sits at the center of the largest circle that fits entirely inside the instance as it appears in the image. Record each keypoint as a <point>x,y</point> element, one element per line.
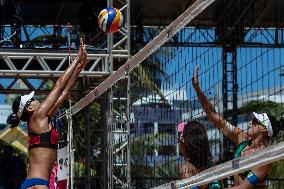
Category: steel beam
<point>44,65</point>
<point>45,74</point>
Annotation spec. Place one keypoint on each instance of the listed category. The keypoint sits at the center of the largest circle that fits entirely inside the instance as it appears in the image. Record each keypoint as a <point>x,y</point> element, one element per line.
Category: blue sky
<point>6,82</point>
<point>258,68</point>
<point>34,32</point>
<point>2,99</point>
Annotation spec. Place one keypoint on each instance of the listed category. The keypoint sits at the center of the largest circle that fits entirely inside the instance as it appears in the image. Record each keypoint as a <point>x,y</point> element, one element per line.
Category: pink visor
<point>180,128</point>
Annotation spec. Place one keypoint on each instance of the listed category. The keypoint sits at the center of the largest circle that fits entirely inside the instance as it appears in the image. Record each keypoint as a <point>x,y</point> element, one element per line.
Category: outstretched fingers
<point>196,71</point>
<point>195,77</point>
<point>86,60</point>
<point>81,50</point>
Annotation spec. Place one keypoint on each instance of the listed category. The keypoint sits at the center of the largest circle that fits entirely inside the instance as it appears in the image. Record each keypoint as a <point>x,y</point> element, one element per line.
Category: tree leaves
<point>272,108</point>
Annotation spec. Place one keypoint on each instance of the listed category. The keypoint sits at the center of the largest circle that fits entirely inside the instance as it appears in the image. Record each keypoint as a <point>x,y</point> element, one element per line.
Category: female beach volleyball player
<point>262,128</point>
<point>194,146</point>
<point>43,137</point>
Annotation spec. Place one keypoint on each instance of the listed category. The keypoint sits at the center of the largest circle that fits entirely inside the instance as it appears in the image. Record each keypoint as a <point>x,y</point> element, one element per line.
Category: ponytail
<point>13,120</point>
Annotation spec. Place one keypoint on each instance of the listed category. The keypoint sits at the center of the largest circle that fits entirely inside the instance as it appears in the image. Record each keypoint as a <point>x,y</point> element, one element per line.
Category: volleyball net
<point>137,109</point>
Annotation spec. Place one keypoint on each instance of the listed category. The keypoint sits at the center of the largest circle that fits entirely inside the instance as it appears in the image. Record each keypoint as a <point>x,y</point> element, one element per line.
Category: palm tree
<point>270,107</point>
<point>142,75</point>
<point>145,77</point>
<point>143,152</point>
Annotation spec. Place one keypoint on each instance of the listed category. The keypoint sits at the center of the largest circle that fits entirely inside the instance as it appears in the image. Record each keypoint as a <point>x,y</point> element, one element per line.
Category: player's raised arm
<point>218,121</point>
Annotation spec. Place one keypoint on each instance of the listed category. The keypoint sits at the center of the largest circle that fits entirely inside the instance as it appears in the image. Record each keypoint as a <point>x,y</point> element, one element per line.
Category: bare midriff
<point>41,161</point>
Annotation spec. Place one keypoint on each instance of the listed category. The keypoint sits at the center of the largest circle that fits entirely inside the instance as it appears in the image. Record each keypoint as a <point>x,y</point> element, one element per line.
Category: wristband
<point>229,126</point>
<point>252,179</point>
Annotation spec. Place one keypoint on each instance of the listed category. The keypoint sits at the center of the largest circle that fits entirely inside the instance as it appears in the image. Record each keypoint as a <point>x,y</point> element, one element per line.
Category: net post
<point>110,110</point>
<point>88,124</point>
<point>128,174</point>
<point>230,106</point>
<point>70,149</point>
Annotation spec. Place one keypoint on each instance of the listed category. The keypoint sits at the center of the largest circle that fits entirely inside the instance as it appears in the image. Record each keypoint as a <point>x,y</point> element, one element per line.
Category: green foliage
<point>145,147</point>
<point>272,108</point>
<point>277,170</point>
<point>143,75</point>
<point>143,79</point>
<point>168,170</point>
<point>79,170</point>
<point>80,130</point>
<point>278,167</point>
<point>141,147</point>
<point>277,173</point>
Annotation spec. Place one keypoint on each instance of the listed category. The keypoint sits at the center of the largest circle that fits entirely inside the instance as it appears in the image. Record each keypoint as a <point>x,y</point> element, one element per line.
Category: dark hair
<point>16,104</point>
<point>13,119</point>
<point>277,125</point>
<point>25,116</point>
<point>197,145</point>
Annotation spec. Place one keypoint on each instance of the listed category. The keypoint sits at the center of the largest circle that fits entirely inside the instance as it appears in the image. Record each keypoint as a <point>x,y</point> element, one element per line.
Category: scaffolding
<point>48,64</point>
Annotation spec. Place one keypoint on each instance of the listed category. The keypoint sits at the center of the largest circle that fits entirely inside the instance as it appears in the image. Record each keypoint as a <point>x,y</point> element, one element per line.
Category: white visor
<point>24,100</point>
<point>264,120</point>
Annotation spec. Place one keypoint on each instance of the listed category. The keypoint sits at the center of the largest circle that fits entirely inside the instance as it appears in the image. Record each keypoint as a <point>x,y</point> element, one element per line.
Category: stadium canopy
<point>155,12</point>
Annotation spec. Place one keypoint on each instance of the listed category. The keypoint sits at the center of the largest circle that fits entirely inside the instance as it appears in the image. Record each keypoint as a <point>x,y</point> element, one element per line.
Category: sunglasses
<point>255,121</point>
<point>29,102</point>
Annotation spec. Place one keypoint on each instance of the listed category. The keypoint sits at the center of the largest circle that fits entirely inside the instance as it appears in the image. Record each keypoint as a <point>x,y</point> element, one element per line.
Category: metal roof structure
<point>153,12</point>
<point>228,18</point>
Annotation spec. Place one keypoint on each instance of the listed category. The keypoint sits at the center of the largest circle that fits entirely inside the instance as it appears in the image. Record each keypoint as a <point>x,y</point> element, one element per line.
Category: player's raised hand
<point>195,77</point>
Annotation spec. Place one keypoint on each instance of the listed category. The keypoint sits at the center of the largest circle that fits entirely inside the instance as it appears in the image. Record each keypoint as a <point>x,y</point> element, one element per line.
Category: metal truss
<point>30,55</point>
<point>28,65</point>
<point>55,36</point>
<point>118,168</point>
<point>270,38</point>
<point>37,36</point>
<point>230,91</point>
<point>121,136</point>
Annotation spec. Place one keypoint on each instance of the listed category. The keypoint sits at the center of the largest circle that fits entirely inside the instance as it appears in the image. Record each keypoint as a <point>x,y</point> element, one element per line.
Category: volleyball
<point>110,20</point>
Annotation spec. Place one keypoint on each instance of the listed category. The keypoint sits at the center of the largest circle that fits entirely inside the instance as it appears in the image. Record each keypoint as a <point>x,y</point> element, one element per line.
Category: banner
<point>59,174</point>
<point>63,164</point>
